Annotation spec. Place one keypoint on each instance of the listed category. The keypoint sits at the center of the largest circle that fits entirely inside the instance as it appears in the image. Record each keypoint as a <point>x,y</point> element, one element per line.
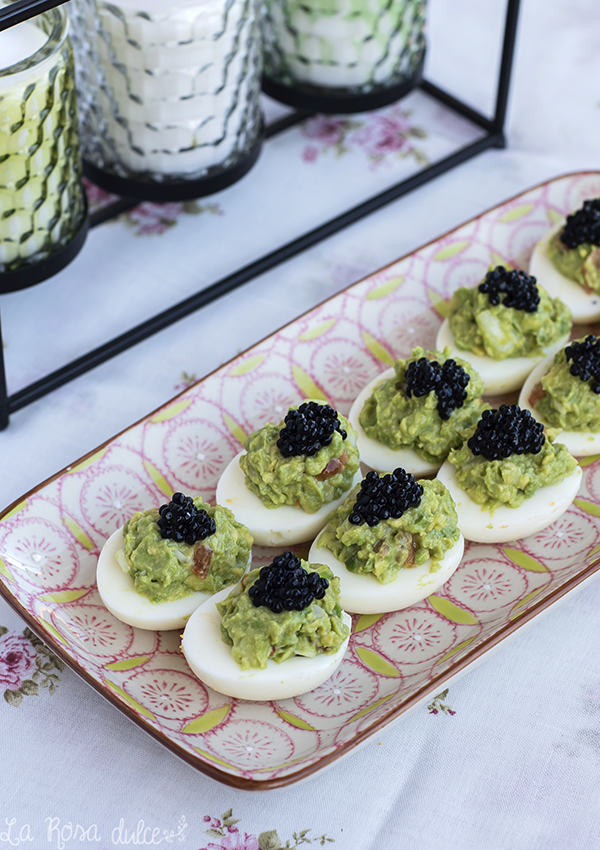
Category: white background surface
<point>516,766</point>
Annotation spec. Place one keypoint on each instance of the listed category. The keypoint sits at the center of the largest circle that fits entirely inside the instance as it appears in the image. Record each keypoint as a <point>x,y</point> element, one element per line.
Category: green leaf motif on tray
<point>306,385</point>
<point>386,288</point>
<point>374,661</point>
<point>371,707</point>
<point>207,721</point>
<point>455,649</point>
<point>247,366</point>
<point>588,507</point>
<point>295,721</point>
<point>526,562</point>
<point>63,596</point>
<point>128,663</point>
<point>439,304</point>
<point>158,479</point>
<point>237,430</point>
<point>452,250</point>
<point>365,621</point>
<point>517,212</point>
<point>171,411</point>
<point>377,349</point>
<point>78,532</point>
<point>452,612</point>
<point>317,331</point>
<point>129,699</point>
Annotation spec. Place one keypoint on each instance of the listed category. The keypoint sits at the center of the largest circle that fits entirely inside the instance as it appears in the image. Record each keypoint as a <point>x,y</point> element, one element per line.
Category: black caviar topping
<point>519,289</point>
<point>448,382</point>
<point>181,521</point>
<point>583,225</point>
<point>586,360</point>
<point>507,431</point>
<point>386,497</point>
<point>308,429</point>
<point>286,585</point>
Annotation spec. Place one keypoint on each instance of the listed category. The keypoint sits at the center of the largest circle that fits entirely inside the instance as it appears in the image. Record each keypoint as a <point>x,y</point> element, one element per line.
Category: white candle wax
<point>19,43</point>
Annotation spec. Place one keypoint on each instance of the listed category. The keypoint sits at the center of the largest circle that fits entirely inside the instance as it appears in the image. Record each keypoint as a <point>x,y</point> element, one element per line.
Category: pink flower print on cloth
<point>17,661</point>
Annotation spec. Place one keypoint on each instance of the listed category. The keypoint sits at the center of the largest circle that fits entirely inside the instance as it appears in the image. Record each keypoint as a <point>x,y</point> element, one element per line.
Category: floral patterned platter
<point>50,539</point>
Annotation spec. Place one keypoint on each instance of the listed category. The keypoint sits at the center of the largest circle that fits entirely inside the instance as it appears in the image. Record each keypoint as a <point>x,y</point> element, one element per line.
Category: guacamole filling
<point>568,396</point>
<point>405,414</point>
<point>426,529</point>
<point>507,458</point>
<point>321,468</point>
<point>500,319</point>
<point>575,249</point>
<point>257,634</point>
<point>164,569</point>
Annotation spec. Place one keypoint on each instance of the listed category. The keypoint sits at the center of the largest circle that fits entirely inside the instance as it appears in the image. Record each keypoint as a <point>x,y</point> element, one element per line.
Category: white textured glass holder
<point>168,89</point>
<point>351,46</point>
<point>42,205</point>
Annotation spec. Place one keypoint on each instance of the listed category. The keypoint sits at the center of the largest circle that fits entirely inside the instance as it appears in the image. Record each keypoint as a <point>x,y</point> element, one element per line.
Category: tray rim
<point>457,667</point>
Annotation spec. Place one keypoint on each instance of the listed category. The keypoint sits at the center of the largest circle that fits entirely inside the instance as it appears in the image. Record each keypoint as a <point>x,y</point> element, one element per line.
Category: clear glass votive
<point>168,92</point>
<point>42,203</point>
<point>348,54</point>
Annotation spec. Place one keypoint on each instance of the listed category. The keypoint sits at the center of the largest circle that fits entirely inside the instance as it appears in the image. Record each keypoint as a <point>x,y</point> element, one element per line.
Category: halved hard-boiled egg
<point>503,524</point>
<point>579,443</point>
<point>584,304</point>
<point>376,454</point>
<point>499,376</point>
<point>364,594</point>
<point>118,593</point>
<point>210,658</point>
<point>281,526</point>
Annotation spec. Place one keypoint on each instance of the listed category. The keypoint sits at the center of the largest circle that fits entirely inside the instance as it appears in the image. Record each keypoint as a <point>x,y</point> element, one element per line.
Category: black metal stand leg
<point>3,394</point>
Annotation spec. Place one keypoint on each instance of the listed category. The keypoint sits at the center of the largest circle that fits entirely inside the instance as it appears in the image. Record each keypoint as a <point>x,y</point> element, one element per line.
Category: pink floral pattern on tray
<point>49,542</point>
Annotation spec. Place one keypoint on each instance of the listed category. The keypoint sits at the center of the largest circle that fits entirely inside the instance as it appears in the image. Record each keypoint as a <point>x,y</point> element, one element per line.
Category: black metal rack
<point>493,127</point>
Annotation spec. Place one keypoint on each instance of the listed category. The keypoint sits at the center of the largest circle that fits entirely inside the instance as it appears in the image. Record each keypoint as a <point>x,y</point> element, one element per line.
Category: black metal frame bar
<point>494,137</point>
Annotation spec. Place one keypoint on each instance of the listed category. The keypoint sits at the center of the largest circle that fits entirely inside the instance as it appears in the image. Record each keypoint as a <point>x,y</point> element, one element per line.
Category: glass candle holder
<point>169,94</point>
<point>343,55</point>
<point>43,211</point>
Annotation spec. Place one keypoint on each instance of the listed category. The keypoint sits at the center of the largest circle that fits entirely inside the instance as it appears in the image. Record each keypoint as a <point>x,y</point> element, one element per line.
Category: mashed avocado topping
<point>403,422</point>
<point>510,480</point>
<point>307,481</point>
<point>580,264</point>
<point>501,331</point>
<point>164,570</point>
<point>256,633</point>
<point>382,550</point>
<point>565,400</point>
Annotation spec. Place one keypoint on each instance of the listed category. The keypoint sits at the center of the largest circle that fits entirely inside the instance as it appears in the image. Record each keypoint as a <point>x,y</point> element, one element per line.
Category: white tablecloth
<point>508,758</point>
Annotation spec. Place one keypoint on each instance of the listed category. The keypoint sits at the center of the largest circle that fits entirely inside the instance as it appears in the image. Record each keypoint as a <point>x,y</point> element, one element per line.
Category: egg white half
<point>545,506</point>
<point>118,593</point>
<point>584,306</point>
<point>498,376</point>
<point>211,660</point>
<point>281,526</point>
<point>377,455</point>
<point>579,443</point>
<point>363,594</point>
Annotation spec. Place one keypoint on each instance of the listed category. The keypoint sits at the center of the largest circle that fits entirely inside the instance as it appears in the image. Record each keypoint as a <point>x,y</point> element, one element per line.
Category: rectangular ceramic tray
<point>50,539</point>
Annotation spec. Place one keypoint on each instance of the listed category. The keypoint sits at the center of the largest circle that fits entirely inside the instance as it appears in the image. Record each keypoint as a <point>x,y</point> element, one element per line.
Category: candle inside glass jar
<point>19,43</point>
<point>168,88</point>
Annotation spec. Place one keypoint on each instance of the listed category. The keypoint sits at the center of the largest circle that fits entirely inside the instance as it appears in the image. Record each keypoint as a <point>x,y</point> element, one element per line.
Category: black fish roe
<point>308,429</point>
<point>586,361</point>
<point>519,289</point>
<point>448,382</point>
<point>505,432</point>
<point>181,521</point>
<point>583,225</point>
<point>385,498</point>
<point>286,586</point>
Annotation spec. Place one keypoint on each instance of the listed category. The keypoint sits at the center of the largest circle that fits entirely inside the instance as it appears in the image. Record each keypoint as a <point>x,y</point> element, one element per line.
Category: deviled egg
<point>504,327</point>
<point>563,392</point>
<point>279,633</point>
<point>566,261</point>
<point>292,474</point>
<point>411,415</point>
<point>165,562</point>
<point>392,543</point>
<point>508,480</point>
